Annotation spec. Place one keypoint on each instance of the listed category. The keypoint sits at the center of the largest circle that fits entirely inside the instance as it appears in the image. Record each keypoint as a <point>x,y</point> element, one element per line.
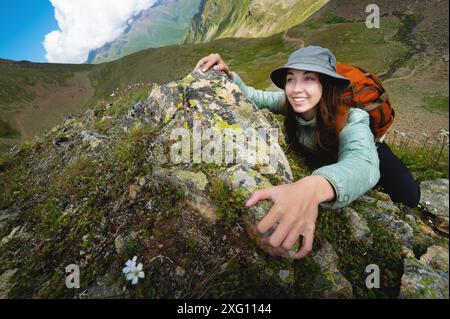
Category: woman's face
<point>303,90</point>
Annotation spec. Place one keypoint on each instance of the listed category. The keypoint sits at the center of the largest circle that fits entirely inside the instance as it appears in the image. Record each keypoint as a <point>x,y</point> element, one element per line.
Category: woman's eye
<point>309,78</point>
<point>289,80</point>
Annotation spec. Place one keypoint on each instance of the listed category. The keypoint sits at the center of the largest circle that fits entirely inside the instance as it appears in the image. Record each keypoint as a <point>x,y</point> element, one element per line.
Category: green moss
<point>230,203</point>
<point>192,243</point>
<point>210,169</point>
<point>273,179</point>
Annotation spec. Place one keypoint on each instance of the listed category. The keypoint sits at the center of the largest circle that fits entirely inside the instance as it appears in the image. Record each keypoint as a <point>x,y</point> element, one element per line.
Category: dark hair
<point>327,121</point>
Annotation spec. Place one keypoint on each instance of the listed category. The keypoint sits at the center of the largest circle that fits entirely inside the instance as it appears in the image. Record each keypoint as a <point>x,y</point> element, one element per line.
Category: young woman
<point>340,138</point>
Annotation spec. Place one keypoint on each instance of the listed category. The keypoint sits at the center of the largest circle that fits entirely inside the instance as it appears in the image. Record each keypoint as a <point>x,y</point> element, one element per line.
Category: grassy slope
<point>35,96</point>
<point>16,77</point>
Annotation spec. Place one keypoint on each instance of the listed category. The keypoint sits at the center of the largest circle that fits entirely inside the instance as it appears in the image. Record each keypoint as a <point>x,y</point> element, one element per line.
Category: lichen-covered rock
<point>436,257</point>
<point>93,138</point>
<point>359,224</point>
<point>387,207</point>
<point>423,282</point>
<point>338,285</point>
<point>194,186</point>
<point>434,196</point>
<point>104,288</point>
<point>398,227</point>
<point>410,219</point>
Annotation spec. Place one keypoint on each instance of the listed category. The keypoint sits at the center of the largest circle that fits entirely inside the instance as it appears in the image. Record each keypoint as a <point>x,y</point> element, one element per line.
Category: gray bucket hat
<point>311,58</point>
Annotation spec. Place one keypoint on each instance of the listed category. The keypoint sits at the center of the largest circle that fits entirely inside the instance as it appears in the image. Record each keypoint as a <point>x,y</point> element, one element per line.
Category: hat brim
<point>278,76</point>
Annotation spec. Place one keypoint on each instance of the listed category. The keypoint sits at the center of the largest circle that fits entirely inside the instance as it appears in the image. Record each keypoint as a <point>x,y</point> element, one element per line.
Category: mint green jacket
<point>357,169</point>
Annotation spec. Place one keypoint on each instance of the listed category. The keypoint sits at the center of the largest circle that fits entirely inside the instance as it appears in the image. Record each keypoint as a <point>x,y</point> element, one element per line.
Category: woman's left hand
<point>295,209</point>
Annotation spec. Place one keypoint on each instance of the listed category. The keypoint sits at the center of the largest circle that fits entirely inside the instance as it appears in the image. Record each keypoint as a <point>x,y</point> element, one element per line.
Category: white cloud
<point>85,25</point>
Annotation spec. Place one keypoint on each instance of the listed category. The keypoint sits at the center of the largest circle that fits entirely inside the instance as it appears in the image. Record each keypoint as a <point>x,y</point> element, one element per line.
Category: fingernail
<point>203,70</point>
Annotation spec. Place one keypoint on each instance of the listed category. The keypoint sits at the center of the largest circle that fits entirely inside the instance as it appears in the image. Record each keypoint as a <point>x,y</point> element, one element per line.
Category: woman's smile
<point>304,91</point>
<point>300,100</point>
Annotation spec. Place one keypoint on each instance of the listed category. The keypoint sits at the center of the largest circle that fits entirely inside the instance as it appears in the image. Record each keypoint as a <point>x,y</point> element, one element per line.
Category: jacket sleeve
<point>357,169</point>
<point>274,101</point>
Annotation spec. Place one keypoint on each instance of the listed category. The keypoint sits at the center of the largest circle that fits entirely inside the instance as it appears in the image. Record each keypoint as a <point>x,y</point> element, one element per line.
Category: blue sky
<point>23,26</point>
<point>87,25</point>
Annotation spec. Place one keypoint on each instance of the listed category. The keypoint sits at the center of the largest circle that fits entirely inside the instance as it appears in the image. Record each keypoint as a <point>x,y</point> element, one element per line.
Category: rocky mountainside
<point>123,180</point>
<point>248,18</point>
<point>165,23</point>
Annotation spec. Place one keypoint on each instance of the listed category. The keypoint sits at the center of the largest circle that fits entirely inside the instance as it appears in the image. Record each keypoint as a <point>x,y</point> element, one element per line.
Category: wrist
<point>323,189</point>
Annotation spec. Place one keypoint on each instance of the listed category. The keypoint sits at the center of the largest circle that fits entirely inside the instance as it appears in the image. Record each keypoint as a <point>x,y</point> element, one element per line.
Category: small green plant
<point>230,204</point>
<point>76,178</point>
<point>131,148</point>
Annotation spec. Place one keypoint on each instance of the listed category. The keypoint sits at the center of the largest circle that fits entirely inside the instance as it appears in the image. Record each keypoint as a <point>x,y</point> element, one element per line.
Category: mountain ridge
<point>164,23</point>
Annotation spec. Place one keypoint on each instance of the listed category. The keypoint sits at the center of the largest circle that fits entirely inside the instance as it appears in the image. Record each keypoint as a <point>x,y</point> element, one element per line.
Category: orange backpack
<point>367,92</point>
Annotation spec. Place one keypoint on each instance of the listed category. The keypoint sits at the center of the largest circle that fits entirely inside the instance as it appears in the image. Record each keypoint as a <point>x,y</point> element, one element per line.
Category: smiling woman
<point>349,161</point>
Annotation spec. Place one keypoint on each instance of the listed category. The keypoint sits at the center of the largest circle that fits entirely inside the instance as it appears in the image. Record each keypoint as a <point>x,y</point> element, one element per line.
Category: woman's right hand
<point>214,59</point>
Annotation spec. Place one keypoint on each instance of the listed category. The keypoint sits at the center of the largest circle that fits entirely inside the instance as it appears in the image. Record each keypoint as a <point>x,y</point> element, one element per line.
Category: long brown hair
<point>331,115</point>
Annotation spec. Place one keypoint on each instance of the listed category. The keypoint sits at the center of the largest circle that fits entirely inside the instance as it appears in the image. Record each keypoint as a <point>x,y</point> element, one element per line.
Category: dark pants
<point>396,180</point>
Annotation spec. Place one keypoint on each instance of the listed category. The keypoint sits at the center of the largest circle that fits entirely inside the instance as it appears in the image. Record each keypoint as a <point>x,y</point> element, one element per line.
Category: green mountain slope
<point>35,96</point>
<point>248,18</point>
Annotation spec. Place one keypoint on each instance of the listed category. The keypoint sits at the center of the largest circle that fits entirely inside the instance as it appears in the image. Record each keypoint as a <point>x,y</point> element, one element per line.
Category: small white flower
<point>427,202</point>
<point>129,265</point>
<point>135,273</point>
